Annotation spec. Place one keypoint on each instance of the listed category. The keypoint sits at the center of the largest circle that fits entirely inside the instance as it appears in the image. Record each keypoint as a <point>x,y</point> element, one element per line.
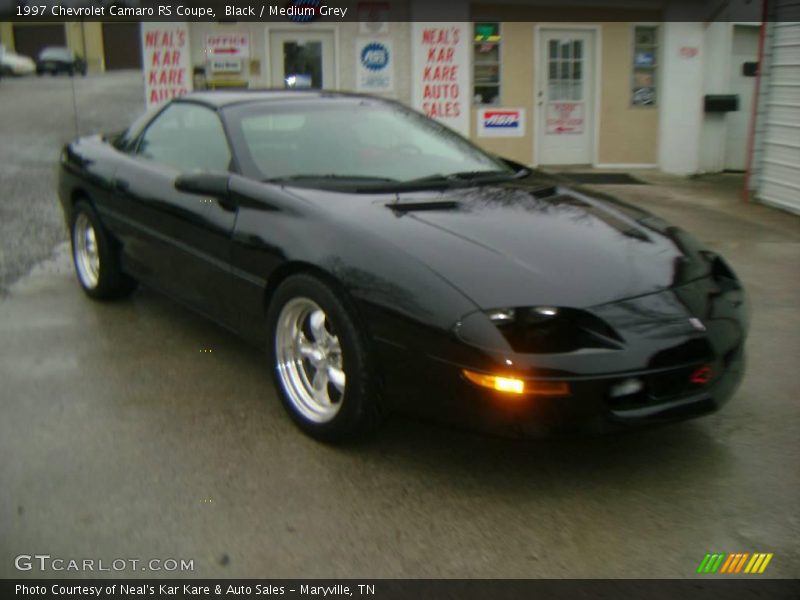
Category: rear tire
<point>319,356</point>
<point>96,256</point>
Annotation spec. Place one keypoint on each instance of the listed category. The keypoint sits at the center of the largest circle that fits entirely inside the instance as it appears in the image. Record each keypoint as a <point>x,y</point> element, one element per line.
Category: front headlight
<point>537,330</point>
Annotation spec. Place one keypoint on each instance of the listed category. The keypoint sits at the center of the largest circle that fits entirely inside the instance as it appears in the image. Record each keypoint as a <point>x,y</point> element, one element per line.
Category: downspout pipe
<point>754,110</point>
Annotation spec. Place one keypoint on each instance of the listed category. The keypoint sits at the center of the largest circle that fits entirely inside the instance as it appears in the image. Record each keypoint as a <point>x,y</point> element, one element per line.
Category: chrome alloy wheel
<point>309,360</point>
<point>85,251</point>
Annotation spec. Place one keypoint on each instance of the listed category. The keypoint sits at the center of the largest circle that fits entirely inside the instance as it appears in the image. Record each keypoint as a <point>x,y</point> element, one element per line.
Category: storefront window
<point>565,70</point>
<point>645,66</point>
<point>486,63</point>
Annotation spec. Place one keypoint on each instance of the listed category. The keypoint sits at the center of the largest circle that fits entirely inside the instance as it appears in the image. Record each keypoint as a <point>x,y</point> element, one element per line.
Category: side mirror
<point>205,184</point>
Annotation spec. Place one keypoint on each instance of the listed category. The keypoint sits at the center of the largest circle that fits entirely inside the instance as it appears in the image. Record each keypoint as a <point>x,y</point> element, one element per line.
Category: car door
<point>179,242</point>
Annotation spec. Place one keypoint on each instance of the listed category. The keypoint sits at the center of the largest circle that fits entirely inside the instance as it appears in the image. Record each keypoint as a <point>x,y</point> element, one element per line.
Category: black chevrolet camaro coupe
<point>389,265</point>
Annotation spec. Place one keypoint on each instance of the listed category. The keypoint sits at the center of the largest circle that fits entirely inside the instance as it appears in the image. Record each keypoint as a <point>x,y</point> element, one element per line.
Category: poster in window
<point>644,96</point>
<point>643,79</point>
<point>644,58</point>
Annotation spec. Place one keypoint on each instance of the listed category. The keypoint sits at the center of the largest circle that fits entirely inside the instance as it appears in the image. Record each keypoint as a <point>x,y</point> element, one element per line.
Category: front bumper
<point>662,354</point>
<point>668,395</point>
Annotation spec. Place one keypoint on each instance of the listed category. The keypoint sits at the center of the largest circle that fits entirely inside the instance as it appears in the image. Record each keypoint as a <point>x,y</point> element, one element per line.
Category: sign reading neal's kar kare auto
<point>165,58</point>
<point>440,53</point>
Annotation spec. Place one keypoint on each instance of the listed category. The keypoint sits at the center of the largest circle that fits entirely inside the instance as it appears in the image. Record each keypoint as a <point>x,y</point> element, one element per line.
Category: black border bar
<point>400,10</point>
<point>733,588</point>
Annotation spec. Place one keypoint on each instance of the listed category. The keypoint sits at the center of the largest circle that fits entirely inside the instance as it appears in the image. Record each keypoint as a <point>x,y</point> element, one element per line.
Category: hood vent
<point>404,207</point>
<point>544,192</point>
<point>567,200</point>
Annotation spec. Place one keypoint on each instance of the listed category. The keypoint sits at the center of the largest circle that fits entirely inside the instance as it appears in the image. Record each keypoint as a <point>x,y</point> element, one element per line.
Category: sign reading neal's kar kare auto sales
<point>165,58</point>
<point>501,122</point>
<point>440,62</point>
<point>374,65</point>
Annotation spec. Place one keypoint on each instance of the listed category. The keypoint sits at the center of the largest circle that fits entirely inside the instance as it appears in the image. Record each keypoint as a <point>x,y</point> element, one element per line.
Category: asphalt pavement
<point>121,436</point>
<point>38,115</point>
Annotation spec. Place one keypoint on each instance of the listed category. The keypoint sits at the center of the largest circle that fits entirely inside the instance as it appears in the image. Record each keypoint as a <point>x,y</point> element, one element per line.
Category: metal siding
<point>761,116</point>
<point>777,151</point>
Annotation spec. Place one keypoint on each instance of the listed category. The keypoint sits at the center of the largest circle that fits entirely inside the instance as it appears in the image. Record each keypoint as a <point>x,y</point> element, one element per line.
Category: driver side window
<point>186,137</point>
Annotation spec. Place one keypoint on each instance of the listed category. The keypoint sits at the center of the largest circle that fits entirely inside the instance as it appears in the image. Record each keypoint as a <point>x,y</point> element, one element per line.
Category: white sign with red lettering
<point>165,58</point>
<point>440,59</point>
<point>565,117</point>
<point>501,122</point>
<point>227,45</point>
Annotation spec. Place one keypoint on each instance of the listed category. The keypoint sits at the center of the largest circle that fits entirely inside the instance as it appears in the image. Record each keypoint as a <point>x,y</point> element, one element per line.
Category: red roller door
<point>122,46</point>
<point>30,39</point>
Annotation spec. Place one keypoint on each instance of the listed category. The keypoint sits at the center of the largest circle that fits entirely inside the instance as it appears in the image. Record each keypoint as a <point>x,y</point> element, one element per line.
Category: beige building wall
<point>516,91</point>
<point>7,35</point>
<point>626,134</point>
<point>86,39</point>
<point>93,37</point>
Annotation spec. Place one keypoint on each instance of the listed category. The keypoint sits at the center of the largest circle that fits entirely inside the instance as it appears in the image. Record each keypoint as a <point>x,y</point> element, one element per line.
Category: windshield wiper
<point>465,176</point>
<point>328,176</point>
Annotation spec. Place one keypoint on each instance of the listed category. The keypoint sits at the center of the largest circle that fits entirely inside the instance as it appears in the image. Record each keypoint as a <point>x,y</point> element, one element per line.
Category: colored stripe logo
<point>736,562</point>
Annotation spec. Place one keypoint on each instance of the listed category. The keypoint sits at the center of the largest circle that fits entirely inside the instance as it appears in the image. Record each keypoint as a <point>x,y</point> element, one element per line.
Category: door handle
<point>120,185</point>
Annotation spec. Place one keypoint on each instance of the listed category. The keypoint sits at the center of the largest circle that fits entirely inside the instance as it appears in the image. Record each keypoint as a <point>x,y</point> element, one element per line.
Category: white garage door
<point>779,181</point>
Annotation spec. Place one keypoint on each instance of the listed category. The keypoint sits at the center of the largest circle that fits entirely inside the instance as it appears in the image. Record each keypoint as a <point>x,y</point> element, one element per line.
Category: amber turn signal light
<point>513,385</point>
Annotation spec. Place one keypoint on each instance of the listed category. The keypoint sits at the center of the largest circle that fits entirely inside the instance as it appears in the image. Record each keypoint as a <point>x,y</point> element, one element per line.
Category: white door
<point>565,97</point>
<point>302,59</point>
<point>745,50</point>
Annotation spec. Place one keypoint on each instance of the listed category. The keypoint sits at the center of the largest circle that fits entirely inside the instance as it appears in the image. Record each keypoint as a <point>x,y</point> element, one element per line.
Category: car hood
<point>521,244</point>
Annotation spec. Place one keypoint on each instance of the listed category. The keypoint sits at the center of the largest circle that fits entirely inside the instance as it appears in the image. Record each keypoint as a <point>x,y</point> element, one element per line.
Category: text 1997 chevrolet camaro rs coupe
<point>388,264</point>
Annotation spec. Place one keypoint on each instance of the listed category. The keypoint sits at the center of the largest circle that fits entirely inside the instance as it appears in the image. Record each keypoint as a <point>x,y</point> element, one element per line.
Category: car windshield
<point>55,54</point>
<point>351,139</point>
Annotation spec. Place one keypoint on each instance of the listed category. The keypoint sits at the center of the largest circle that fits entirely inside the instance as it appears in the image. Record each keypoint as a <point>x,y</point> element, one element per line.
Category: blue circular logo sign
<point>375,56</point>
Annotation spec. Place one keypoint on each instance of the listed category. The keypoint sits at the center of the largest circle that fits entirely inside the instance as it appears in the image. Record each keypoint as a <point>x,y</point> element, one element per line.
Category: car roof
<point>222,98</point>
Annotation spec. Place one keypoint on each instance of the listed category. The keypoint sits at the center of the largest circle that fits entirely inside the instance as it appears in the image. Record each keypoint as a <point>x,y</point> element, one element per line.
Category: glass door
<point>302,60</point>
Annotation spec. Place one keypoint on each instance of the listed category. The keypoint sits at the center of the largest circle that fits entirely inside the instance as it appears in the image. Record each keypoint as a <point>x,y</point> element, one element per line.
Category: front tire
<point>96,257</point>
<point>321,367</point>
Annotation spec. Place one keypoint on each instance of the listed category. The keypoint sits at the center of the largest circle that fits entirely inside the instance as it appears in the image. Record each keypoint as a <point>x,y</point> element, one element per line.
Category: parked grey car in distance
<point>55,60</point>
